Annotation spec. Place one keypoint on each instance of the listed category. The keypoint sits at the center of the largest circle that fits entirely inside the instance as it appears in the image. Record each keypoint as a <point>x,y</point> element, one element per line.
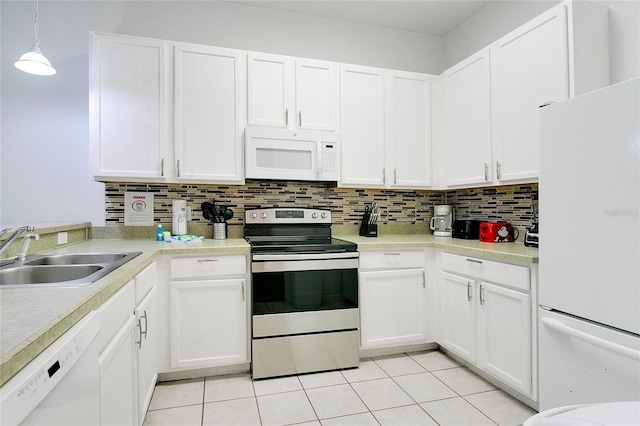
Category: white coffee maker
<point>442,222</point>
<point>179,225</point>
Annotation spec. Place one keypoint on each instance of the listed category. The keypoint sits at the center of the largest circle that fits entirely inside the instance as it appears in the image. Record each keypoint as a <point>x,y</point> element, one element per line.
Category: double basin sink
<point>62,269</point>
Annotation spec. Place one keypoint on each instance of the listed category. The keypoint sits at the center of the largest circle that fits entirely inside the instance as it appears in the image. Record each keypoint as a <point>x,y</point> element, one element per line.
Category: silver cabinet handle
<point>139,342</point>
<point>384,175</point>
<point>498,173</point>
<point>300,118</point>
<point>143,334</point>
<point>178,167</point>
<point>391,254</point>
<point>481,295</point>
<point>395,177</point>
<point>162,168</point>
<point>243,291</point>
<point>286,116</point>
<point>424,280</point>
<point>207,260</point>
<point>469,291</point>
<point>486,172</point>
<point>474,261</point>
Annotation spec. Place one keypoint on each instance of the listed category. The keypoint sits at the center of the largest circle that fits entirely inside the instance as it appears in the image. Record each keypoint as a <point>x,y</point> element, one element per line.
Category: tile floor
<point>422,388</point>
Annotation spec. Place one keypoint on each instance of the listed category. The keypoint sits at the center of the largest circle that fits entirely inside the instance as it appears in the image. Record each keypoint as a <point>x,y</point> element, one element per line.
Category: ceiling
<point>433,17</point>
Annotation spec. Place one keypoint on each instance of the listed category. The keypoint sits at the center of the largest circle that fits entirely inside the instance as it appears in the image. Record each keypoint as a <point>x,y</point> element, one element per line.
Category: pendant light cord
<point>36,40</point>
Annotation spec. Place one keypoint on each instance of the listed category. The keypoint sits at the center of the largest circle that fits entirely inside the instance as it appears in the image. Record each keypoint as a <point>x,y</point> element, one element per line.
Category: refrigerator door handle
<point>588,338</point>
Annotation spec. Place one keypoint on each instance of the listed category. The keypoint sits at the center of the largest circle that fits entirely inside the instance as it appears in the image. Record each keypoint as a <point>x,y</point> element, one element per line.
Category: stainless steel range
<point>304,293</point>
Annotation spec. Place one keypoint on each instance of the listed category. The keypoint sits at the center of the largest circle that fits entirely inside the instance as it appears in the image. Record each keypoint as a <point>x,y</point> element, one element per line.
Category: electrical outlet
<point>63,238</point>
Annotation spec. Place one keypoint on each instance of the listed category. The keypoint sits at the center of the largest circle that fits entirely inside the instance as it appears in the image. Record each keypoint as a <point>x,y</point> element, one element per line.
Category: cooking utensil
<point>207,211</point>
<point>227,214</point>
<point>217,213</point>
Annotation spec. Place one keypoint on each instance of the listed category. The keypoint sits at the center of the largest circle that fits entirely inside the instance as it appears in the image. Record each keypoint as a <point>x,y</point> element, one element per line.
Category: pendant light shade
<point>34,61</point>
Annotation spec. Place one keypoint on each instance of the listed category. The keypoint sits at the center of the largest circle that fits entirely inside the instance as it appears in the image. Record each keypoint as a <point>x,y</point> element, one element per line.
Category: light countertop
<point>506,252</point>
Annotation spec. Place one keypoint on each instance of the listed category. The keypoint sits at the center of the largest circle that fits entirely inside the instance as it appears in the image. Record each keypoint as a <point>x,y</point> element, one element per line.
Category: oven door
<point>305,313</point>
<point>288,283</point>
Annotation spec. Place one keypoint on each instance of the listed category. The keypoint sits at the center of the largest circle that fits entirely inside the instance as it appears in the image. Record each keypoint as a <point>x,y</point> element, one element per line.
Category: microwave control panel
<point>329,160</point>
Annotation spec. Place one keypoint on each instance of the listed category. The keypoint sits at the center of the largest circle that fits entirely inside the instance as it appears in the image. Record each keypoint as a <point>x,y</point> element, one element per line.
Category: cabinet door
<point>504,335</point>
<point>362,126</point>
<point>467,121</point>
<point>459,315</point>
<point>270,90</point>
<point>529,68</point>
<point>208,322</point>
<point>408,130</point>
<point>128,107</point>
<point>147,355</point>
<point>208,114</point>
<point>316,95</point>
<point>392,307</point>
<point>118,389</point>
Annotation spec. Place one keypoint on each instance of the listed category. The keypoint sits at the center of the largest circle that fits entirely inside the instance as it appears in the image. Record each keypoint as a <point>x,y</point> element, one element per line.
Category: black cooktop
<point>301,245</point>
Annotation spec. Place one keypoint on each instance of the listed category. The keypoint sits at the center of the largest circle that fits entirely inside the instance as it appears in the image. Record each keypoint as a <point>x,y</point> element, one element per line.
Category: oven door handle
<point>306,256</point>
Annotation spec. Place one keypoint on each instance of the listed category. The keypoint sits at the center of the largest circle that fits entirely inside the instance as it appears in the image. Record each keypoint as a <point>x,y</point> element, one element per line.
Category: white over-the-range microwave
<point>272,153</point>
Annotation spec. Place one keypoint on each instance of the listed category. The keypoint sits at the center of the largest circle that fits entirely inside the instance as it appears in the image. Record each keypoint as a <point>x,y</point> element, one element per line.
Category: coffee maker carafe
<point>442,222</point>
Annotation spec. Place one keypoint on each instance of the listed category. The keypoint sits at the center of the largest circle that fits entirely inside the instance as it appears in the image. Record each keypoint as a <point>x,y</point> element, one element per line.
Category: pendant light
<point>34,61</point>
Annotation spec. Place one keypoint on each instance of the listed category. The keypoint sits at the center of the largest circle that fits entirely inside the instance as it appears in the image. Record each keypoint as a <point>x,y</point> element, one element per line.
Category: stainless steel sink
<point>75,259</point>
<point>62,269</point>
<point>21,275</point>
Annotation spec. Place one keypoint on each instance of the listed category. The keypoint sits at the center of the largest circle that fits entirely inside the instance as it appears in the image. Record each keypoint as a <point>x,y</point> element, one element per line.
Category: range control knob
<point>314,215</point>
<point>253,215</point>
<point>264,215</point>
<point>323,215</point>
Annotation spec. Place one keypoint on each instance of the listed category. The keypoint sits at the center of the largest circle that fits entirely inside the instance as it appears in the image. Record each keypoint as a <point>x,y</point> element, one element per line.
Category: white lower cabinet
<point>128,350</point>
<point>504,331</point>
<point>489,324</point>
<point>146,314</point>
<point>117,359</point>
<point>208,311</point>
<point>392,298</point>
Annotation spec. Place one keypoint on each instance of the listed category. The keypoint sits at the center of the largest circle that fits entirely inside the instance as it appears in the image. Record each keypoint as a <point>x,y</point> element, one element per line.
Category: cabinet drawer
<point>115,312</point>
<point>145,280</point>
<point>502,273</point>
<point>392,259</point>
<point>207,266</point>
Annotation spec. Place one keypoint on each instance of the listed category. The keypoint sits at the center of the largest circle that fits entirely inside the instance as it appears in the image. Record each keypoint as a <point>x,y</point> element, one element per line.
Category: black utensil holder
<point>368,229</point>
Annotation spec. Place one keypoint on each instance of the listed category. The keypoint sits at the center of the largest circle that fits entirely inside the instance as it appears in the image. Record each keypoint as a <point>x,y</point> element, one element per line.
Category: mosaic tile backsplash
<point>509,203</point>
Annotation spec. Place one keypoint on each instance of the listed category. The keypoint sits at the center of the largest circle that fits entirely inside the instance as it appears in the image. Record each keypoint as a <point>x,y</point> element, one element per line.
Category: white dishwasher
<point>61,386</point>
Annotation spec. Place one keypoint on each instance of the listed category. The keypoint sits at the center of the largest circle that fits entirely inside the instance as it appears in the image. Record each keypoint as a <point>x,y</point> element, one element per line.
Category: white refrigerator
<point>589,282</point>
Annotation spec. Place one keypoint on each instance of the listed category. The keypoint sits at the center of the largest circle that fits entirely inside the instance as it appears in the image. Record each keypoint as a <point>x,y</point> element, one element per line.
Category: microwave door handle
<point>319,160</point>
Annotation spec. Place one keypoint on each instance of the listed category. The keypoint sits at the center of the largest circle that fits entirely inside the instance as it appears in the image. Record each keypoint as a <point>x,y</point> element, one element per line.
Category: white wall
<point>44,154</point>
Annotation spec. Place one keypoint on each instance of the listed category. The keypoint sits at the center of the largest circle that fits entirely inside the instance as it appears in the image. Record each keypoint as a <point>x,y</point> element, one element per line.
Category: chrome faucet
<point>13,236</point>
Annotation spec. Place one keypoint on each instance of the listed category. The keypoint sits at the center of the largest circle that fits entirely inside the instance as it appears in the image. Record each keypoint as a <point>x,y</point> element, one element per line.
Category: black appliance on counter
<point>304,293</point>
<point>466,229</point>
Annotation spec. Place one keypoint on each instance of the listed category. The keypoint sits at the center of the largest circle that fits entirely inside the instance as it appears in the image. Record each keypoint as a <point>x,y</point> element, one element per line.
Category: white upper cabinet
<point>209,124</point>
<point>529,68</point>
<point>362,126</point>
<point>128,99</point>
<point>467,121</point>
<point>292,92</point>
<point>408,130</point>
<point>385,128</point>
<point>491,100</point>
<point>316,95</point>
